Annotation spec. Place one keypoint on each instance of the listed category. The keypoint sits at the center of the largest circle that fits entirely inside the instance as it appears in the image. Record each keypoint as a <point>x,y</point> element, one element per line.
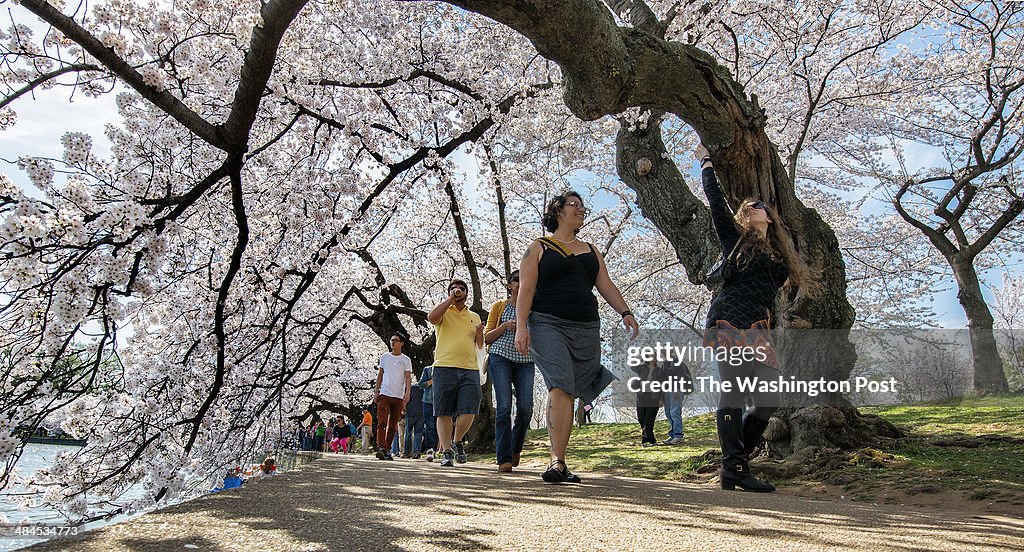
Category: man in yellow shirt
<point>456,376</point>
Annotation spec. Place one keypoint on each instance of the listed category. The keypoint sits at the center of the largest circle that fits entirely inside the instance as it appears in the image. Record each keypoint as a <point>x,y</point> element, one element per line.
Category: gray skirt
<point>568,355</point>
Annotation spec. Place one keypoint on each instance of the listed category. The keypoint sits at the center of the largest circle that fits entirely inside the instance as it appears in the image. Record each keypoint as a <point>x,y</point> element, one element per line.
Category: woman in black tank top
<point>558,323</point>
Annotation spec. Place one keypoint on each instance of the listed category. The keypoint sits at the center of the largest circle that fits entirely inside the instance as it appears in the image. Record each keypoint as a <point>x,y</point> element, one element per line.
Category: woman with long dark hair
<point>761,259</point>
<point>557,321</point>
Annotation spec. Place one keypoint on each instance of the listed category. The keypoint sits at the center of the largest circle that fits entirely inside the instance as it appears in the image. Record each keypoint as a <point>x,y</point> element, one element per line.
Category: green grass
<point>615,448</point>
<point>971,416</point>
<point>990,471</point>
<point>987,471</point>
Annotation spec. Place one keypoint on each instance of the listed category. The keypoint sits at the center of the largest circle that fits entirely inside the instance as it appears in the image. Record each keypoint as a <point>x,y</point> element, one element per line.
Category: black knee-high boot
<point>753,428</point>
<point>735,471</point>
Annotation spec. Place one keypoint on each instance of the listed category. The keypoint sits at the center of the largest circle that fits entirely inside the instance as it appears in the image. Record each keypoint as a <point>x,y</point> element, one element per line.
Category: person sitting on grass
<point>268,467</point>
<point>232,479</point>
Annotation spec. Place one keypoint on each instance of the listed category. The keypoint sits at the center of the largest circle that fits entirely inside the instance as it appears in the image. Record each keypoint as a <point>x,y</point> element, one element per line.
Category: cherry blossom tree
<point>270,214</point>
<point>961,106</point>
<point>287,188</point>
<point>811,66</point>
<point>233,228</point>
<point>613,69</point>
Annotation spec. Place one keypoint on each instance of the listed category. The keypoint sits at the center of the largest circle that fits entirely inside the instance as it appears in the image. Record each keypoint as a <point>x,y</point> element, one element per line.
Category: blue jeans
<point>413,434</point>
<point>674,413</point>
<point>505,374</point>
<point>429,427</point>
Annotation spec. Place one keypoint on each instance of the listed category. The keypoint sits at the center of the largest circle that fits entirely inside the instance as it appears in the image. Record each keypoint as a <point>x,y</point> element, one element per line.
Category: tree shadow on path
<point>360,503</point>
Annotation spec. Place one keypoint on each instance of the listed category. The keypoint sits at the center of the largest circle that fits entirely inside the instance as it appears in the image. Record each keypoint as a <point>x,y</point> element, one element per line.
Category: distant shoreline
<point>56,441</point>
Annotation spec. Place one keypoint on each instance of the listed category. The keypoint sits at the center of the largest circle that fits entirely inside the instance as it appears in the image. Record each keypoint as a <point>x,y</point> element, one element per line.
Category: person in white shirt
<point>392,392</point>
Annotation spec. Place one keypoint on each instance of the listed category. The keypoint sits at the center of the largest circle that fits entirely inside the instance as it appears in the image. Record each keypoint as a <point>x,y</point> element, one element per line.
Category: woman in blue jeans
<point>508,369</point>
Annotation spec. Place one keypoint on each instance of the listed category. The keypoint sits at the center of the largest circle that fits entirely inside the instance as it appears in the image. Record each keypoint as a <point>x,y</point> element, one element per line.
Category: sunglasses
<point>457,287</point>
<point>757,205</point>
<point>577,205</point>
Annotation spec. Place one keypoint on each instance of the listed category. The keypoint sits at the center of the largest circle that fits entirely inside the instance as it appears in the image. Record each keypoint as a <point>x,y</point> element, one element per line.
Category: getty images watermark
<point>844,367</point>
<point>665,354</point>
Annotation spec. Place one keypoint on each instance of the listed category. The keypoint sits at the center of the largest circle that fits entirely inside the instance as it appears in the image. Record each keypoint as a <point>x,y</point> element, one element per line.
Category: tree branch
<point>277,15</point>
<point>940,241</point>
<point>164,100</point>
<point>45,77</point>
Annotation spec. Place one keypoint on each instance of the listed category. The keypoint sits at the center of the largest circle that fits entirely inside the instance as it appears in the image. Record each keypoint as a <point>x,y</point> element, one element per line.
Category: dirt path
<point>359,503</point>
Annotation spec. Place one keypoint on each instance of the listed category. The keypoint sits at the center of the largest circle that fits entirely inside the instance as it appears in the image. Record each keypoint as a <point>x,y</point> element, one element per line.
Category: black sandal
<point>555,475</point>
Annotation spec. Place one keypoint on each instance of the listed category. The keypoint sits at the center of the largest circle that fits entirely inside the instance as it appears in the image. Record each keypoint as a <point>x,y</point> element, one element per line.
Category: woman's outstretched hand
<point>700,152</point>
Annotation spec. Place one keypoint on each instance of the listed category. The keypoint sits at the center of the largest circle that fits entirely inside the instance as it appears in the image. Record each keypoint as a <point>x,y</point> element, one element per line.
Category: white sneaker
<point>430,455</point>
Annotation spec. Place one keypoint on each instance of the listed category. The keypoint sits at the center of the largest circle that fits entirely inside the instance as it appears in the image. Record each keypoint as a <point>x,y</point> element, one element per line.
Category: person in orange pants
<point>391,393</point>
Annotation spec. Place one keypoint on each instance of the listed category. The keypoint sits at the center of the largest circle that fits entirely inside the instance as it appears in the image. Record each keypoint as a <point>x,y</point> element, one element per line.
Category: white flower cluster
<point>7,186</point>
<point>94,89</point>
<point>8,117</point>
<point>73,307</point>
<point>242,27</point>
<point>56,492</point>
<point>637,118</point>
<point>77,505</point>
<point>123,218</point>
<point>77,146</point>
<point>126,100</point>
<point>26,220</point>
<point>76,191</point>
<point>21,39</point>
<point>165,23</point>
<point>40,171</point>
<point>153,76</point>
<point>116,42</point>
<point>166,473</point>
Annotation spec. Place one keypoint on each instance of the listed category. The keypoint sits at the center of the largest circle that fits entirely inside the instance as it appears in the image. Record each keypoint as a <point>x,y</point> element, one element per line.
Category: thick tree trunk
<point>989,377</point>
<point>664,198</point>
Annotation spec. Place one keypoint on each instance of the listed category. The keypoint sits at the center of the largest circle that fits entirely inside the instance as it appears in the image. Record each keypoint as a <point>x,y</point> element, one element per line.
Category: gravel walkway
<point>360,503</point>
